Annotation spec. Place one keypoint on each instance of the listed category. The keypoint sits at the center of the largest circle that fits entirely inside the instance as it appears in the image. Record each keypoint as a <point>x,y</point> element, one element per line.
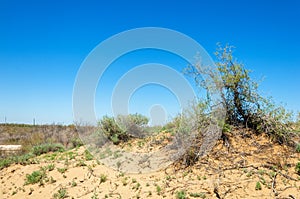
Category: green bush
<point>109,127</point>
<point>21,159</point>
<point>6,162</point>
<point>158,189</point>
<point>61,193</point>
<point>258,186</point>
<point>123,127</point>
<point>76,142</point>
<point>48,147</point>
<point>134,124</point>
<point>136,119</point>
<point>35,177</point>
<point>181,194</point>
<point>50,167</point>
<point>24,159</point>
<point>62,170</point>
<point>103,178</point>
<point>88,156</point>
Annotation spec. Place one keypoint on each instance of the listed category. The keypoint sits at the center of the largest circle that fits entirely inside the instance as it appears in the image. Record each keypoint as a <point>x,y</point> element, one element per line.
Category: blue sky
<point>43,43</point>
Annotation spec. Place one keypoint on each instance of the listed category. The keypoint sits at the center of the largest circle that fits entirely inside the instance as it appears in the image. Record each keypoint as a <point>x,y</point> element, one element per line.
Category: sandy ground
<point>232,172</point>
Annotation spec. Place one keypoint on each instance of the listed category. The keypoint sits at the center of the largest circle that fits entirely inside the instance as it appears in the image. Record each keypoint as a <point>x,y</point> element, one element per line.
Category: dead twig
<point>274,185</point>
<point>230,190</point>
<point>286,176</point>
<point>217,193</point>
<point>291,196</point>
<point>286,188</point>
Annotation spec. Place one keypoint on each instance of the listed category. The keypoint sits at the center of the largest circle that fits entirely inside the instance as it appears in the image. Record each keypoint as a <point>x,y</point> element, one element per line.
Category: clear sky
<point>43,43</point>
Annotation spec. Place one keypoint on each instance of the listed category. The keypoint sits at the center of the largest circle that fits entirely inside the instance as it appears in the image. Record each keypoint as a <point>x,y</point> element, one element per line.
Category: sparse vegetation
<point>136,186</point>
<point>46,148</point>
<point>62,170</point>
<point>133,180</point>
<point>50,167</point>
<point>158,189</point>
<point>19,159</point>
<point>5,162</point>
<point>81,163</point>
<point>61,193</point>
<point>261,172</point>
<point>297,168</point>
<point>124,181</point>
<point>198,195</point>
<point>32,135</point>
<point>258,186</point>
<point>73,184</point>
<point>168,177</point>
<point>181,194</point>
<point>76,142</point>
<point>298,148</point>
<point>103,178</point>
<point>95,195</point>
<point>36,177</point>
<point>88,156</point>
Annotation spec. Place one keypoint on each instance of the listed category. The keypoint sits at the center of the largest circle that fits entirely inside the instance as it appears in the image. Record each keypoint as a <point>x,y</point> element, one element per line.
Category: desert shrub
<point>181,194</point>
<point>137,119</point>
<point>81,163</point>
<point>62,170</point>
<point>158,189</point>
<point>19,159</point>
<point>272,120</point>
<point>76,142</point>
<point>61,193</point>
<point>103,178</point>
<point>172,125</point>
<point>244,106</point>
<point>133,124</point>
<point>23,159</point>
<point>47,147</point>
<point>50,167</point>
<point>198,195</point>
<point>109,127</point>
<point>123,127</point>
<point>258,186</point>
<point>5,162</point>
<point>35,177</point>
<point>88,156</point>
<point>196,132</point>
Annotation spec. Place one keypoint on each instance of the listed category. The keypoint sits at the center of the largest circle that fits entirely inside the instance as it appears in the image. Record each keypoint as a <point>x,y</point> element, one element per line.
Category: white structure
<point>10,147</point>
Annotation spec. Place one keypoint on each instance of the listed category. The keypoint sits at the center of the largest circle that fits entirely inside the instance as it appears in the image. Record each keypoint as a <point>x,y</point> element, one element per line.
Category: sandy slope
<point>225,173</point>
